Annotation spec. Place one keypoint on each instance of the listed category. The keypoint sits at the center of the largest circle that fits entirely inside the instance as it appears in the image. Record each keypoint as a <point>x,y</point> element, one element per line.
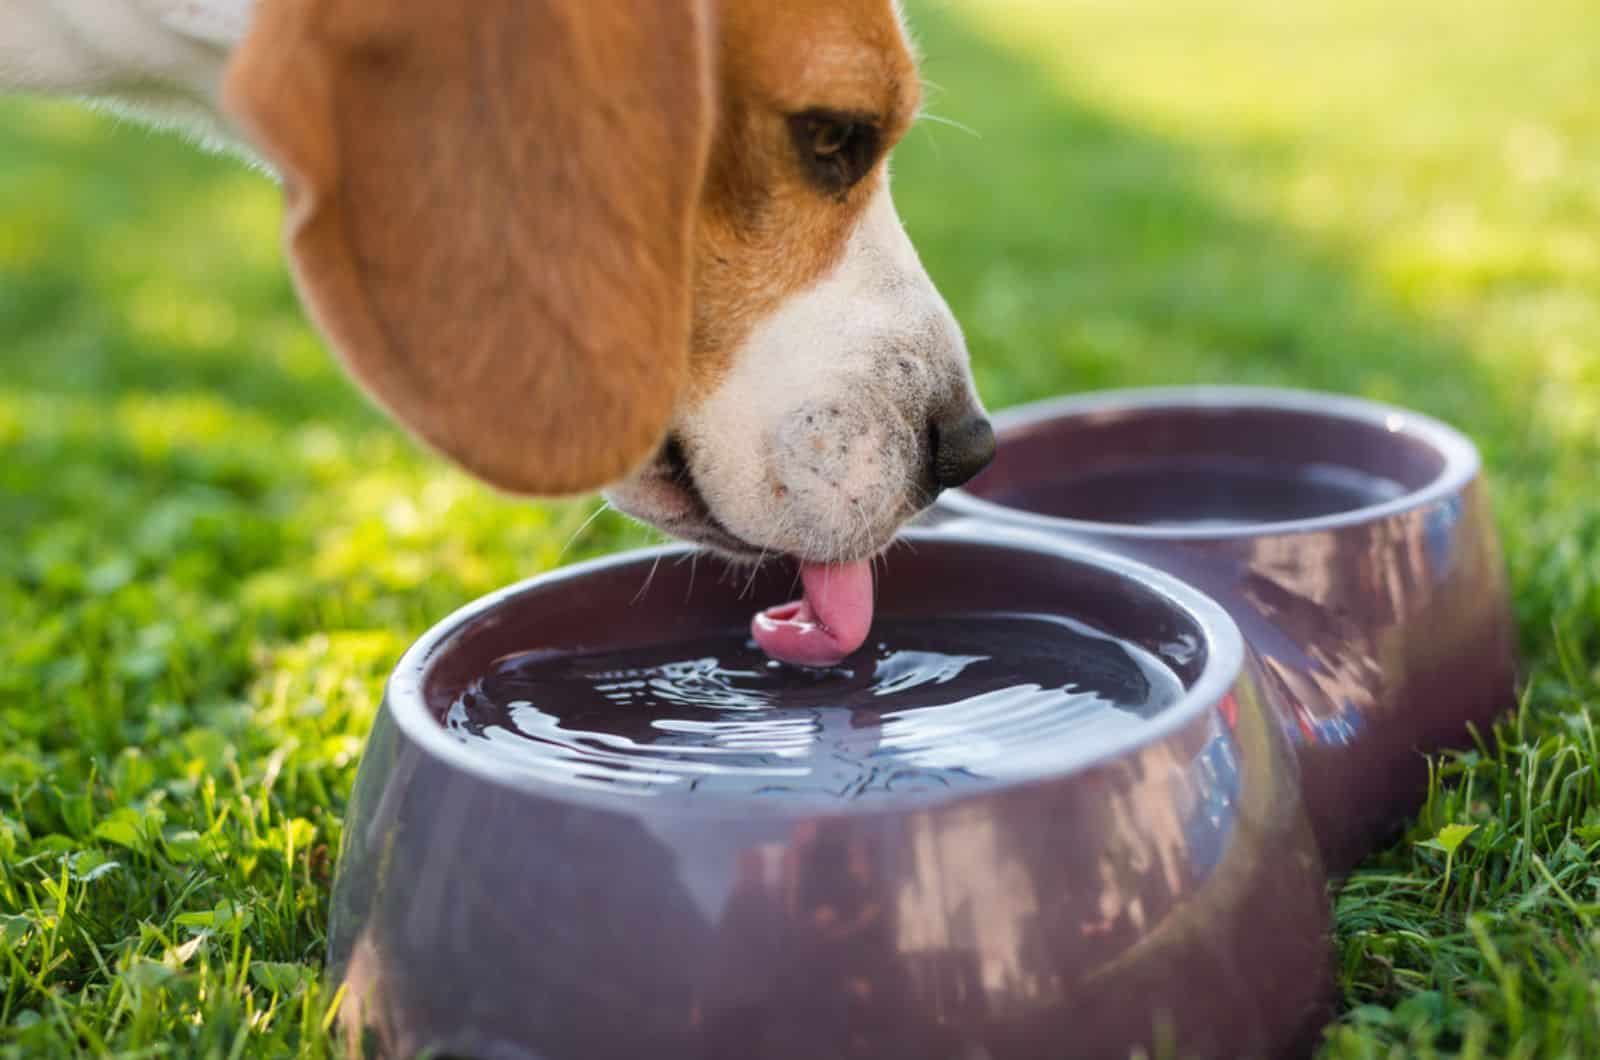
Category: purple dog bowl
<point>1350,541</point>
<point>1159,885</point>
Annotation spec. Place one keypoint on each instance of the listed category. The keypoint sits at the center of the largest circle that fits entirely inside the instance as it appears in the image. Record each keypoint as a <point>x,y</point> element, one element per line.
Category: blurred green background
<point>211,548</point>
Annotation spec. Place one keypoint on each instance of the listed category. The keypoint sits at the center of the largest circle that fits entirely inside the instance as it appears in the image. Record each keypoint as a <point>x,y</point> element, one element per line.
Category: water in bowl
<point>1211,493</point>
<point>926,706</point>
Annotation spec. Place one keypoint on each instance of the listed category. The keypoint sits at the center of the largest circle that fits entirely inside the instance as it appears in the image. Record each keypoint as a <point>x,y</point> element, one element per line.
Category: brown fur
<point>764,232</point>
<point>510,217</point>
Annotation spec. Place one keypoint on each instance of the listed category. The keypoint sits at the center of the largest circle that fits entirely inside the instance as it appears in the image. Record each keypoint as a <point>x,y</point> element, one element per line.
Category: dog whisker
<point>597,513</point>
<point>648,578</point>
<point>939,119</point>
<point>755,568</point>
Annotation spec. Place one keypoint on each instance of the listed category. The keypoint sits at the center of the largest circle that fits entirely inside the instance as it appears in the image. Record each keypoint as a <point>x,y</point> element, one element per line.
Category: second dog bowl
<point>1351,542</point>
<point>633,877</point>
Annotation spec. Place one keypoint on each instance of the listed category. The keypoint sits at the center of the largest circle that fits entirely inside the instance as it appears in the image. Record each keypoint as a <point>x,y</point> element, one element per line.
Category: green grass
<point>211,550</point>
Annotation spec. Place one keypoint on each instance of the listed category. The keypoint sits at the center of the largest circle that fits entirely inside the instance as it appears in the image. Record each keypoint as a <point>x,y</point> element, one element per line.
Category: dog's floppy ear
<point>490,213</point>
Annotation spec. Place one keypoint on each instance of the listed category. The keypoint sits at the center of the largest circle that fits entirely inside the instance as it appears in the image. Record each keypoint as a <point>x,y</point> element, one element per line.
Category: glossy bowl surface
<point>1378,612</point>
<point>1166,887</point>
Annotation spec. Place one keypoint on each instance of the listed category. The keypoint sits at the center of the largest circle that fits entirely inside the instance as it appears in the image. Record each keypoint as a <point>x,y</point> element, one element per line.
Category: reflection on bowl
<point>1140,881</point>
<point>1350,541</point>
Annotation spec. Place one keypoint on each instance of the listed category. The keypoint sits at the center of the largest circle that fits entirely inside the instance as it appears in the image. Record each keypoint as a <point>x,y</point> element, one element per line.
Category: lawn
<point>211,549</point>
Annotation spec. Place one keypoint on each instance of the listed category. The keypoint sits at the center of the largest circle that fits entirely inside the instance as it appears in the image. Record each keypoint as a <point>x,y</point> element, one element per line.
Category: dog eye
<point>836,149</point>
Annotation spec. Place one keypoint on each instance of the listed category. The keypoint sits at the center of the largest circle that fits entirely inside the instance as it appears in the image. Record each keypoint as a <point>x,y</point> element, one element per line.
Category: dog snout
<point>848,447</point>
<point>959,448</point>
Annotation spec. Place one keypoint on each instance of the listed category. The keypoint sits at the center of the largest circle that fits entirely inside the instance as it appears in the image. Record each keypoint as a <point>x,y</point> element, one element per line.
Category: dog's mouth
<point>829,621</point>
<point>698,523</point>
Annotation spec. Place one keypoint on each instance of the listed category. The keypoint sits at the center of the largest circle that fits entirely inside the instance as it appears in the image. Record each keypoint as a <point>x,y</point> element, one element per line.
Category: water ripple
<point>926,706</point>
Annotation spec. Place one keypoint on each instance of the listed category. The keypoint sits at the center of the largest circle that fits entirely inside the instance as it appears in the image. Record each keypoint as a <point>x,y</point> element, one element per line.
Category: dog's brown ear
<point>490,213</point>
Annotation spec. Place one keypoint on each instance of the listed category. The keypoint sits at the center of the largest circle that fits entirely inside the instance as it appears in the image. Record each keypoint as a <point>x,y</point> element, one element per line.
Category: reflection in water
<point>930,705</point>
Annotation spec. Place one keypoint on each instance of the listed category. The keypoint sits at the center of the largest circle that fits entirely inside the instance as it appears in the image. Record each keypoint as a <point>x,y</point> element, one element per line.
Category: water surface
<point>926,705</point>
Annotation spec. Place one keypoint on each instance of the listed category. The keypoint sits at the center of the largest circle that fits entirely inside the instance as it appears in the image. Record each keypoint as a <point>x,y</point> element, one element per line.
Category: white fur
<point>815,443</point>
<point>89,47</point>
<point>162,58</point>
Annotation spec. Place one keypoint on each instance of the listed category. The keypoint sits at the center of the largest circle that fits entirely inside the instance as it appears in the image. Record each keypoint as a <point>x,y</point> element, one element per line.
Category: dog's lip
<point>698,523</point>
<point>666,495</point>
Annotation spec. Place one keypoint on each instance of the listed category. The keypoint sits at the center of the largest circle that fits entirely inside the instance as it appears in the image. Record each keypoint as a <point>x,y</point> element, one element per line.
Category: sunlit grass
<point>212,549</point>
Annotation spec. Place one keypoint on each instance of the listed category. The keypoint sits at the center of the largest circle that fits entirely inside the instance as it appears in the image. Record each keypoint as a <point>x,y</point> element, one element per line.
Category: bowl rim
<point>404,701</point>
<point>1461,459</point>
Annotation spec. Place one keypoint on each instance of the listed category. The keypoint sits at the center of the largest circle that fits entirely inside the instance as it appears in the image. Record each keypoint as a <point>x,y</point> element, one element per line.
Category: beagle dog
<point>640,245</point>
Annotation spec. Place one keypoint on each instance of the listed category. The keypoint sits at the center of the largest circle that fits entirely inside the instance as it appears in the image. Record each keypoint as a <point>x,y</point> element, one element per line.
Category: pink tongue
<point>828,623</point>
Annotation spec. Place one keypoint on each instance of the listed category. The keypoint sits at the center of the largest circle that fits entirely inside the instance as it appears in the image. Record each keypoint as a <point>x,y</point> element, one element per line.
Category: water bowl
<point>1351,541</point>
<point>1046,811</point>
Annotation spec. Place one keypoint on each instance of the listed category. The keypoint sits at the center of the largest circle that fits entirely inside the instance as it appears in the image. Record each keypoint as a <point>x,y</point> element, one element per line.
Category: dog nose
<point>961,449</point>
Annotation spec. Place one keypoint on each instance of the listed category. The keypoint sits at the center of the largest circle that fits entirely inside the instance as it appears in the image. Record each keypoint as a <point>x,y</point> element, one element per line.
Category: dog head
<point>646,245</point>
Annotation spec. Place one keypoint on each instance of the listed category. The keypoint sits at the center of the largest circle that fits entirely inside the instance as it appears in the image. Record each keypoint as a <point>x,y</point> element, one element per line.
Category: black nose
<point>961,449</point>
